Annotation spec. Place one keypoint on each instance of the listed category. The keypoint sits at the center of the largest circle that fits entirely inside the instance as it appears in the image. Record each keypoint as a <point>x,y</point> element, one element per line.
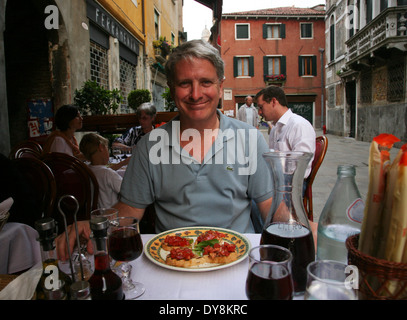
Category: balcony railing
<point>388,29</point>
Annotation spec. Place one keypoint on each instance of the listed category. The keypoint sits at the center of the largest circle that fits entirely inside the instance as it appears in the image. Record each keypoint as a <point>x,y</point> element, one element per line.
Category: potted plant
<point>162,46</point>
<point>137,97</point>
<point>170,104</point>
<point>93,99</point>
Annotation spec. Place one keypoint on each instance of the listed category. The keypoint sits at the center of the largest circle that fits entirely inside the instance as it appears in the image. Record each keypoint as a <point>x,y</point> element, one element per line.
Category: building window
<point>242,31</point>
<point>99,66</point>
<point>243,66</point>
<point>396,80</point>
<point>307,65</point>
<point>306,30</point>
<point>332,39</point>
<point>156,24</point>
<point>274,66</point>
<point>273,31</point>
<point>128,83</point>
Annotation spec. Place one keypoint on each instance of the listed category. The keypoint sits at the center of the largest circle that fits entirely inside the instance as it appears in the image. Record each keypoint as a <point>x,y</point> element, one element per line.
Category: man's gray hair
<point>194,49</point>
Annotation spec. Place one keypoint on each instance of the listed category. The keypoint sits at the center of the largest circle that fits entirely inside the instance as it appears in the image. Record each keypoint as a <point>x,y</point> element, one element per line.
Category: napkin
<point>23,287</point>
<point>5,206</point>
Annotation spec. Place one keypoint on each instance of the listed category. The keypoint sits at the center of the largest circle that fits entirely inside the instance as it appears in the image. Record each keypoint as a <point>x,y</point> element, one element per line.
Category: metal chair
<point>41,181</point>
<point>320,150</point>
<point>73,177</point>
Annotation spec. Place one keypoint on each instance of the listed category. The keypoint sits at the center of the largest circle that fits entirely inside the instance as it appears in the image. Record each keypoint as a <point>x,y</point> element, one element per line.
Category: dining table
<point>161,283</point>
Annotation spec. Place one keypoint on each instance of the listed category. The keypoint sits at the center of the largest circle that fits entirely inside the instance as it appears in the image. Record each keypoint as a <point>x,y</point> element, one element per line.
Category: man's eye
<point>184,84</point>
<point>207,83</point>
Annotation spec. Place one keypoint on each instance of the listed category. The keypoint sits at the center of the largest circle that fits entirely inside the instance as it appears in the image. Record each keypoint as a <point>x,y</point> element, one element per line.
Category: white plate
<point>157,255</point>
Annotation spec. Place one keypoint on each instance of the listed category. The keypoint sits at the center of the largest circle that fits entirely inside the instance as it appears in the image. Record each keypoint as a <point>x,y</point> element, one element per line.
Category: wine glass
<point>327,280</point>
<point>125,245</point>
<point>269,276</point>
<point>109,213</point>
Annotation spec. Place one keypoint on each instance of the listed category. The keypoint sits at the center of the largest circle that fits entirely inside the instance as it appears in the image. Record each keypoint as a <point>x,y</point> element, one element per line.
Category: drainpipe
<point>322,50</point>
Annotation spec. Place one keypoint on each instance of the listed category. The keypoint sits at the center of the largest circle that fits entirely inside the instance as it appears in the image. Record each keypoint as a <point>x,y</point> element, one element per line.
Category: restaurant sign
<point>103,19</point>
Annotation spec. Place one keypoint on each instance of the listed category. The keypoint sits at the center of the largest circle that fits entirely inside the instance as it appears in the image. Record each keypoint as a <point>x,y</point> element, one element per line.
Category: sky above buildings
<point>196,16</point>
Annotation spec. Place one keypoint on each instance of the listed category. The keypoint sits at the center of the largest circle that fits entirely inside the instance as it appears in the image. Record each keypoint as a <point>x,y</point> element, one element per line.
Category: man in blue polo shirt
<point>202,168</point>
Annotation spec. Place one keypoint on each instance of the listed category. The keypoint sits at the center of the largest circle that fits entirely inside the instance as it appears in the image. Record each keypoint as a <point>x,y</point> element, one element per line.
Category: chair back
<point>73,177</point>
<point>321,147</point>
<point>27,148</point>
<point>41,181</point>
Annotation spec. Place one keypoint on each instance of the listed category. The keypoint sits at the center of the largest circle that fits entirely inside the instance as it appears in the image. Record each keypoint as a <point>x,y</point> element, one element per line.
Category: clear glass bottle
<point>341,216</point>
<point>54,284</point>
<point>104,283</point>
<point>287,223</point>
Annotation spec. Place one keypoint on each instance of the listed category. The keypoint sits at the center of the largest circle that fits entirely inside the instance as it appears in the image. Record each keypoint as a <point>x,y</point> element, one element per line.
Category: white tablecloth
<point>19,249</point>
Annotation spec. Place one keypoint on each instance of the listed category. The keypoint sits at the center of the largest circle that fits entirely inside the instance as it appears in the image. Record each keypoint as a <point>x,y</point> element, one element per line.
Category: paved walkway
<point>341,150</point>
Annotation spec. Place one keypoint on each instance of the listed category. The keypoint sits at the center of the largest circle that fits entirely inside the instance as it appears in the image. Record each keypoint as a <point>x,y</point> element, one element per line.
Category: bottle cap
<point>47,232</point>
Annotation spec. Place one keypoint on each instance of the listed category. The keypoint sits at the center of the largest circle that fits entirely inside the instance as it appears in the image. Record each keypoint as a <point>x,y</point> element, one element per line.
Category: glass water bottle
<point>341,216</point>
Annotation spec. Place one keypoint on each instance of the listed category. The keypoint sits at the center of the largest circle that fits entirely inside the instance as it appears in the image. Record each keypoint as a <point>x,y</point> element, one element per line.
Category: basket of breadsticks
<point>380,250</point>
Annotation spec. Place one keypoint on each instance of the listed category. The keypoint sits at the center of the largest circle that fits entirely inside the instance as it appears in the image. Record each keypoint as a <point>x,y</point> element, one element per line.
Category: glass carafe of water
<point>287,224</point>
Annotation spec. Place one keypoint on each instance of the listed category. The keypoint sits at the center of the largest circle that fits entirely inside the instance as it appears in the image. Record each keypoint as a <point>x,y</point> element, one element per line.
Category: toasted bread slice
<point>175,242</point>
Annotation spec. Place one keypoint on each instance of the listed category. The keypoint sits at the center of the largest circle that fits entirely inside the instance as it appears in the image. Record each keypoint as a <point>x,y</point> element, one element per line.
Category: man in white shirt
<point>290,131</point>
<point>248,113</point>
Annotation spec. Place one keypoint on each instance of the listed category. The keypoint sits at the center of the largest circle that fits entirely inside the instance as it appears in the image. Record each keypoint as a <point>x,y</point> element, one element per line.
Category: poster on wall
<point>40,118</point>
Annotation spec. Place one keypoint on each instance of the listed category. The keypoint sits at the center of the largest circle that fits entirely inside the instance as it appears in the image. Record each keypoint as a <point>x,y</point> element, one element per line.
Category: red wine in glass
<point>262,284</point>
<point>298,239</point>
<point>125,244</point>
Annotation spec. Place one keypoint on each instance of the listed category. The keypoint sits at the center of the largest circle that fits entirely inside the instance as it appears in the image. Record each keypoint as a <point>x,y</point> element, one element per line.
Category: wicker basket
<point>378,279</point>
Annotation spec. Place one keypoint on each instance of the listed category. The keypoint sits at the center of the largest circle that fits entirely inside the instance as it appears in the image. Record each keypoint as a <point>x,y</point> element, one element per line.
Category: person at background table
<point>146,114</point>
<point>67,120</point>
<point>290,131</point>
<point>248,113</point>
<point>96,150</point>
<point>192,188</point>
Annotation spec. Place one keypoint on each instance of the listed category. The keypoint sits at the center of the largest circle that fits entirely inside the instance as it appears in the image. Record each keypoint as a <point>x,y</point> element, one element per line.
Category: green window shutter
<point>265,65</point>
<point>282,31</point>
<point>251,66</point>
<point>300,62</point>
<point>264,31</point>
<point>283,67</point>
<point>235,72</point>
<point>314,65</point>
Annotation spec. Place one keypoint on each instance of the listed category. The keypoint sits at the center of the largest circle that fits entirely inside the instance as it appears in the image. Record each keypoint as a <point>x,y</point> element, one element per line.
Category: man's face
<point>196,89</point>
<point>249,101</point>
<point>266,110</point>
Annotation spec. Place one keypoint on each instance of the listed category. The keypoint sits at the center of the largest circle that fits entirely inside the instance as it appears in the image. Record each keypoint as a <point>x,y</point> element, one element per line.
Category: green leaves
<point>199,248</point>
<point>94,99</point>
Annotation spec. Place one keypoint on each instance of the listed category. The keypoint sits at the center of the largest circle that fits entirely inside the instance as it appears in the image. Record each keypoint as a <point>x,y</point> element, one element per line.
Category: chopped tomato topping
<point>219,250</point>
<point>210,235</point>
<point>176,241</point>
<point>182,253</point>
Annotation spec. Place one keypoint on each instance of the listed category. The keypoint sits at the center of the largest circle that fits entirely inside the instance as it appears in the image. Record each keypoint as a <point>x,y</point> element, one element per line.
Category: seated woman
<point>67,120</point>
<point>146,113</point>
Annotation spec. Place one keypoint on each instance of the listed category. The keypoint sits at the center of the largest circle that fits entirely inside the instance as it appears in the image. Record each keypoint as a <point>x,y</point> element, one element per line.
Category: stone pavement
<point>341,150</point>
